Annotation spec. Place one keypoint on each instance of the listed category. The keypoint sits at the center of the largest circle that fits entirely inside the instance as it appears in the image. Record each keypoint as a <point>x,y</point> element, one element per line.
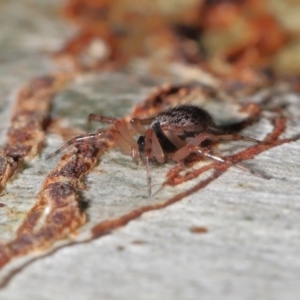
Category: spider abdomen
<point>183,117</point>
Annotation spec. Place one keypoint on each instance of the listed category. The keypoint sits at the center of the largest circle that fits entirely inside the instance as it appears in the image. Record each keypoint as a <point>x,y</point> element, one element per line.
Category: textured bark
<point>236,238</point>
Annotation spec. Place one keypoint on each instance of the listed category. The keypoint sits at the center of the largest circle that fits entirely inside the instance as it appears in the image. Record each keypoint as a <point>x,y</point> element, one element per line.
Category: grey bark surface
<point>251,249</point>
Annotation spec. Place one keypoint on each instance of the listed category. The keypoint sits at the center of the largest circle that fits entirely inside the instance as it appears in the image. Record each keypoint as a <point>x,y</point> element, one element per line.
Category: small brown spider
<point>172,134</point>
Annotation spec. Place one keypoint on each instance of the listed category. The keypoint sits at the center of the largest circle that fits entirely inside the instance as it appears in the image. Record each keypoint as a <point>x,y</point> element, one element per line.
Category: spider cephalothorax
<point>174,133</point>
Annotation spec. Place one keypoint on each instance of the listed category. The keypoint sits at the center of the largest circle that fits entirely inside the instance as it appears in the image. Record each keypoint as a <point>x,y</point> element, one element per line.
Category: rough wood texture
<point>238,238</point>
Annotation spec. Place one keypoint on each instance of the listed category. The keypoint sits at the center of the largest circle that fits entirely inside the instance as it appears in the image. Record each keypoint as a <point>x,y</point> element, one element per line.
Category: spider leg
<point>152,149</point>
<point>173,138</point>
<point>197,140</point>
<point>147,156</point>
<point>157,149</point>
<point>76,140</point>
<point>236,137</point>
<point>188,149</point>
<point>184,149</point>
<point>118,138</point>
<point>172,132</point>
<point>177,130</point>
<point>138,124</point>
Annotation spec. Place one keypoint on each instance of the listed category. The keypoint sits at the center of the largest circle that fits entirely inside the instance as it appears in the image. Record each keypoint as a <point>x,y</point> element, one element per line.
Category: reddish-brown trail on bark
<point>30,116</point>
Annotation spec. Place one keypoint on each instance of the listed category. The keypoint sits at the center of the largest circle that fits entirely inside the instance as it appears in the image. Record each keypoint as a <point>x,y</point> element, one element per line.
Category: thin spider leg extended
<point>237,137</point>
<point>117,137</point>
<point>147,156</point>
<point>209,136</point>
<point>76,140</point>
<point>169,132</point>
<point>188,149</point>
<point>152,149</point>
<point>138,124</point>
<point>197,140</point>
<point>117,123</point>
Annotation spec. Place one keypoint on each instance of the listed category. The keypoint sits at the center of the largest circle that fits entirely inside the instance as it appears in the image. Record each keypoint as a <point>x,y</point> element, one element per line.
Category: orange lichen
<point>57,213</point>
<point>128,33</point>
<point>25,135</point>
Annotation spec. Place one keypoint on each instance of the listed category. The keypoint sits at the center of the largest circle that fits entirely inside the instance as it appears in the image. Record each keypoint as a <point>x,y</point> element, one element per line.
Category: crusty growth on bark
<point>26,132</point>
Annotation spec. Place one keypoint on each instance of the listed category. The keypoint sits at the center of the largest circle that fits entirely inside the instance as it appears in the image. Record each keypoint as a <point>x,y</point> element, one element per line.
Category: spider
<point>172,134</point>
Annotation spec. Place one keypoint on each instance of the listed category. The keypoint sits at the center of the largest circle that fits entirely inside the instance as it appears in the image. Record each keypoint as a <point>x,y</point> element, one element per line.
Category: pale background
<point>251,249</point>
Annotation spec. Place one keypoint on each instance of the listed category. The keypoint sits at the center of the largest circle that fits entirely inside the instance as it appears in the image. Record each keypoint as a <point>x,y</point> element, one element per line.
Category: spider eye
<point>141,144</point>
